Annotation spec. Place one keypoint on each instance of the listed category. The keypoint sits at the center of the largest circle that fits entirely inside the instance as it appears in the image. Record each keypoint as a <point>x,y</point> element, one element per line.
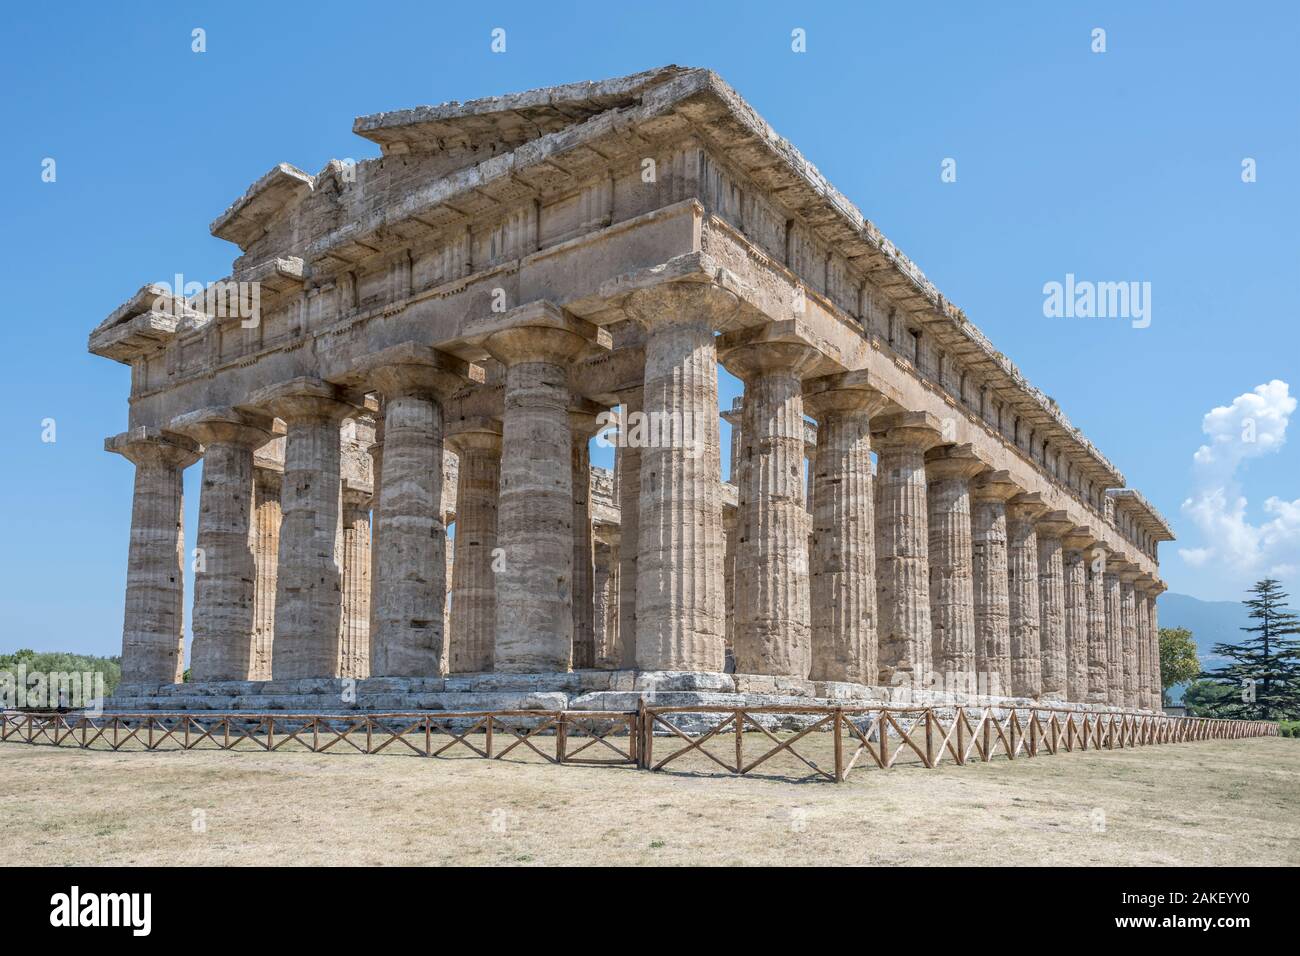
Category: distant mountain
<point>1211,622</point>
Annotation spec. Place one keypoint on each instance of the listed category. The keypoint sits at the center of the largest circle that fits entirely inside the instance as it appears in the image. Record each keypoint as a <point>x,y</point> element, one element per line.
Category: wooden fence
<point>821,742</point>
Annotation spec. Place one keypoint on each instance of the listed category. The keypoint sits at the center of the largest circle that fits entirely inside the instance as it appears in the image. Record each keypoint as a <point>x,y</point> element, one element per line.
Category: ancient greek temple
<point>398,506</point>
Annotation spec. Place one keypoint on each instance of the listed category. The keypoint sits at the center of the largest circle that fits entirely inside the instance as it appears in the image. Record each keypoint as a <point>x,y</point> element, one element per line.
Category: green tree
<point>1265,666</point>
<point>1178,660</point>
<point>1204,698</point>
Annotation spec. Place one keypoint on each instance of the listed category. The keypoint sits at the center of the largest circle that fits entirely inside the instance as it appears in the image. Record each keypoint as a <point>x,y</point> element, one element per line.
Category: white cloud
<point>1252,426</point>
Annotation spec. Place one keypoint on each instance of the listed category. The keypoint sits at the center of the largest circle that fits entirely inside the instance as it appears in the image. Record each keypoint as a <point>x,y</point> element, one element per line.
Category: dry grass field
<point>1221,802</point>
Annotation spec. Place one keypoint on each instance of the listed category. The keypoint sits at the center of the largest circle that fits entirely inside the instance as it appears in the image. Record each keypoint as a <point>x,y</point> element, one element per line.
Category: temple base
<point>598,690</point>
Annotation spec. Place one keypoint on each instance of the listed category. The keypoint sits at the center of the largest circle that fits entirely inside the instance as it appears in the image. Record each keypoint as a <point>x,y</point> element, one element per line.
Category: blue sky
<point>1123,165</point>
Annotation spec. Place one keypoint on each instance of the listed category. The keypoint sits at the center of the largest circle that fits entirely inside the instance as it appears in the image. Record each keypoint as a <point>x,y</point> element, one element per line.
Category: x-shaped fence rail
<point>820,742</point>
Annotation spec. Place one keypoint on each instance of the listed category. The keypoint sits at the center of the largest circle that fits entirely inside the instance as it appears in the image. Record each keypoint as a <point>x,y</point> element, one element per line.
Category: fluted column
<point>1051,606</point>
<point>989,495</point>
<point>902,548</point>
<point>354,630</point>
<point>679,602</point>
<point>627,464</point>
<point>1022,591</point>
<point>843,550</point>
<point>1142,621</point>
<point>1075,568</point>
<point>410,568</point>
<point>772,633</point>
<point>266,556</point>
<point>1098,639</point>
<point>1153,635</point>
<point>1129,636</point>
<point>152,626</point>
<point>534,586</point>
<point>949,470</point>
<point>605,590</point>
<point>308,596</point>
<point>225,575</point>
<point>1114,637</point>
<point>583,425</point>
<point>473,587</point>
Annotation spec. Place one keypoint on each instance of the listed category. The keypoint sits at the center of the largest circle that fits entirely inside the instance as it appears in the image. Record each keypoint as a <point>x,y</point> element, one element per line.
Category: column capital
<point>250,429</point>
<point>953,461</point>
<point>1054,524</point>
<point>146,445</point>
<point>1078,538</point>
<point>414,369</point>
<point>538,332</point>
<point>750,359</point>
<point>479,434</point>
<point>1027,506</point>
<point>994,486</point>
<point>842,393</point>
<point>358,494</point>
<point>303,399</point>
<point>919,431</point>
<point>685,302</point>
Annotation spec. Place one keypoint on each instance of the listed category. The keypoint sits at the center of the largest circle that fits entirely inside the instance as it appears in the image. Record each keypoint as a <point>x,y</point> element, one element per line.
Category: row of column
<point>937,572</point>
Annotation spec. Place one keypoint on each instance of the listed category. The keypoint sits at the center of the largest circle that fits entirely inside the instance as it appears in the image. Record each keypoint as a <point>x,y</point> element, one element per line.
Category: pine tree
<point>1265,666</point>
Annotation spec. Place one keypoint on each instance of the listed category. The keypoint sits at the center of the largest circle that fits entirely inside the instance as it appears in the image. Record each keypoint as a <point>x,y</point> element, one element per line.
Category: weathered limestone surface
<point>1129,638</point>
<point>152,638</point>
<point>225,574</point>
<point>772,633</point>
<point>1074,567</point>
<point>410,592</point>
<point>628,467</point>
<point>949,470</point>
<point>843,552</point>
<point>354,630</point>
<point>473,621</point>
<point>1023,511</point>
<point>534,586</point>
<point>989,495</point>
<point>1051,607</point>
<point>1098,631</point>
<point>308,597</point>
<point>902,549</point>
<point>583,423</point>
<point>679,601</point>
<point>1153,635</point>
<point>1114,638</point>
<point>266,556</point>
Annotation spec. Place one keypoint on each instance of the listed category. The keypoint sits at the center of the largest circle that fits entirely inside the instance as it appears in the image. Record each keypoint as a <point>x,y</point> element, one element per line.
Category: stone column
<point>1051,606</point>
<point>1141,621</point>
<point>153,626</point>
<point>534,586</point>
<point>989,495</point>
<point>1128,635</point>
<point>354,630</point>
<point>1153,632</point>
<point>627,466</point>
<point>224,574</point>
<point>1077,614</point>
<point>902,542</point>
<point>1098,640</point>
<point>1023,511</point>
<point>730,534</point>
<point>679,601</point>
<point>583,425</point>
<point>605,591</point>
<point>772,632</point>
<point>308,596</point>
<point>1114,637</point>
<point>376,452</point>
<point>473,586</point>
<point>843,548</point>
<point>949,470</point>
<point>266,556</point>
<point>407,639</point>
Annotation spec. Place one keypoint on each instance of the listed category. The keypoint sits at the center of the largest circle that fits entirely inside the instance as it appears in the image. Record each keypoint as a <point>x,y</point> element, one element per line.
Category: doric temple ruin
<point>398,507</point>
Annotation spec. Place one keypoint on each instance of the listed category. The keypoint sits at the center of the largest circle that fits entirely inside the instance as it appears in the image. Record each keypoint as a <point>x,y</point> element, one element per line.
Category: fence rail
<point>822,742</point>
